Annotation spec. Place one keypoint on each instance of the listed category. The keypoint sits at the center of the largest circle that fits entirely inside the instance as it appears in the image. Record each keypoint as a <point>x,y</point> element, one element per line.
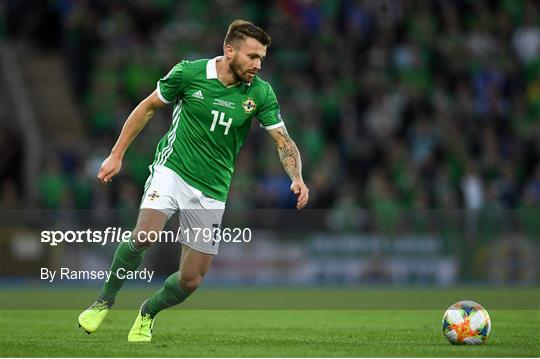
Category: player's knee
<point>142,238</point>
<point>190,282</point>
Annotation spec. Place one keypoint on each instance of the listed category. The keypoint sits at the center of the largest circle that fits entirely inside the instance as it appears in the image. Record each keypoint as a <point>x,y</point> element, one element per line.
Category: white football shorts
<point>200,216</point>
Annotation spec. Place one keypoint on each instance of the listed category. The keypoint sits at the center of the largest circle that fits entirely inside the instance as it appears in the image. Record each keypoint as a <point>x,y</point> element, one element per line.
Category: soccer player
<point>214,103</point>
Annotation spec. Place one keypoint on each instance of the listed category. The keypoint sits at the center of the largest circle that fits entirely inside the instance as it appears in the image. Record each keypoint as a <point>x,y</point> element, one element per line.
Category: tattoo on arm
<point>288,154</point>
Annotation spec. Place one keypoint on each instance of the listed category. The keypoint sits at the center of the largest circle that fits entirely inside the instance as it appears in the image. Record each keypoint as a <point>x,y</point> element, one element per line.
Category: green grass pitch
<point>261,333</point>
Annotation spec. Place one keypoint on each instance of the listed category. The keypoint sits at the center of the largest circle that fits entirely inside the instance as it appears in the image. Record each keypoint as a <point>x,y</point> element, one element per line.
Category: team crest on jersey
<point>249,105</point>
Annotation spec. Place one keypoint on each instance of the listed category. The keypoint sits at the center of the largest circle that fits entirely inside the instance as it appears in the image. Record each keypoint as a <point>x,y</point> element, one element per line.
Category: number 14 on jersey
<point>221,116</point>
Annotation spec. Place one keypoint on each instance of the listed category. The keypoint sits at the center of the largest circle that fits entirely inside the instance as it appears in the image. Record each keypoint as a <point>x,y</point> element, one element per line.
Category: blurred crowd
<point>393,104</point>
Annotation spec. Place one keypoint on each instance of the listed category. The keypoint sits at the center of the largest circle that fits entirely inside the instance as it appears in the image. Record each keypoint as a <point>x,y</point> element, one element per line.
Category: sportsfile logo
<point>117,235</point>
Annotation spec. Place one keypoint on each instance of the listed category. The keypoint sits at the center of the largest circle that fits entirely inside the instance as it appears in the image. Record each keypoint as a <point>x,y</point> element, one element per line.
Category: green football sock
<point>127,256</point>
<point>169,295</point>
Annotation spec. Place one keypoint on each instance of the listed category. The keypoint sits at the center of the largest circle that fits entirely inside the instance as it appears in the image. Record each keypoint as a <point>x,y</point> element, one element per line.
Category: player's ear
<point>228,51</point>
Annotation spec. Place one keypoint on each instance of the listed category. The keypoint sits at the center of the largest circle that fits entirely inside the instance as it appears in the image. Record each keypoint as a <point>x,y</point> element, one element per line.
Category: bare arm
<point>292,163</point>
<point>135,122</point>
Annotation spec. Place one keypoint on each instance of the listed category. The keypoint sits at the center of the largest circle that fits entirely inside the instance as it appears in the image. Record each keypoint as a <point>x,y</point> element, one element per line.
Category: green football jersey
<point>210,123</point>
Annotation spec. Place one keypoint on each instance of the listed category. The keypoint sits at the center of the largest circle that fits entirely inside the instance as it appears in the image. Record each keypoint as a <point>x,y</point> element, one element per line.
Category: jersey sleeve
<point>269,115</point>
<point>172,85</point>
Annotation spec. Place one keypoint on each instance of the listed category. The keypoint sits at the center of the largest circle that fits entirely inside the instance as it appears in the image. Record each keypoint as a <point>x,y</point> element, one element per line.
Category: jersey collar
<point>211,69</point>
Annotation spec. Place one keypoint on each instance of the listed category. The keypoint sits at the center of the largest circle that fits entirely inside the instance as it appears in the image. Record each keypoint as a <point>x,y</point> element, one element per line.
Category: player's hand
<point>109,168</point>
<point>299,188</point>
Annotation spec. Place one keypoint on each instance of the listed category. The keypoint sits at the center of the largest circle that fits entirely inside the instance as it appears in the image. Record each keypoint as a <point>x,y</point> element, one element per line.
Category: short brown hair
<point>241,29</point>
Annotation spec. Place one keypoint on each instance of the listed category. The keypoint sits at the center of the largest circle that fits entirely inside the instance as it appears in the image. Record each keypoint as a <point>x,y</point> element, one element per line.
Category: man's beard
<point>236,70</point>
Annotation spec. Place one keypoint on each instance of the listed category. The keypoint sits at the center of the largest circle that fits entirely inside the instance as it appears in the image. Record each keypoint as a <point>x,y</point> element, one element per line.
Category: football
<point>466,322</point>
